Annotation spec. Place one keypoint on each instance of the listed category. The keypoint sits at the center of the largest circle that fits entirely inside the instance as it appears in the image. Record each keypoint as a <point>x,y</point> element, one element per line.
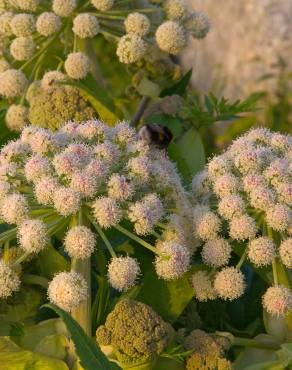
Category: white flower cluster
<point>109,176</point>
<point>244,196</point>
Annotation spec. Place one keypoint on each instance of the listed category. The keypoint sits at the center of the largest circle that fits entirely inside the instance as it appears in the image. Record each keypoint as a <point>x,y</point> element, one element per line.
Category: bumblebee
<point>155,134</point>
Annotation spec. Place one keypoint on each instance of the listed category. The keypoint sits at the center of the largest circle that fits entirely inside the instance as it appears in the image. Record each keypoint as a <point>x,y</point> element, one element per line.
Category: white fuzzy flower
<point>285,252</point>
<point>131,48</point>
<point>252,181</point>
<point>280,142</point>
<point>13,83</point>
<point>175,9</point>
<point>103,5</point>
<point>216,252</point>
<point>16,117</point>
<point>262,198</point>
<point>22,48</point>
<point>36,167</point>
<point>79,242</point>
<point>49,79</point>
<point>4,65</point>
<point>84,183</point>
<point>85,25</point>
<point>278,300</point>
<point>93,130</point>
<point>14,209</point>
<point>201,184</point>
<point>66,201</point>
<point>77,65</point>
<point>284,191</point>
<point>218,166</point>
<point>248,161</point>
<point>170,37</point>
<point>229,283</point>
<point>279,217</point>
<point>119,187</point>
<point>139,167</point>
<point>23,25</point>
<point>45,189</point>
<point>207,225</point>
<point>231,206</point>
<point>261,251</point>
<point>225,185</point>
<point>106,211</point>
<point>32,236</point>
<point>173,261</point>
<point>5,20</point>
<point>64,8</point>
<point>9,281</point>
<point>67,290</point>
<point>242,227</point>
<point>197,24</point>
<point>203,286</point>
<point>123,272</point>
<point>123,133</point>
<point>107,151</point>
<point>137,23</point>
<point>48,23</point>
<point>42,141</point>
<point>28,5</point>
<point>4,189</point>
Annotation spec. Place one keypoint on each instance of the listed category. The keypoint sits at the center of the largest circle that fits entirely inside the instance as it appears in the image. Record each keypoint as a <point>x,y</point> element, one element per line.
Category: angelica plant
<point>64,32</point>
<point>243,200</point>
<point>84,180</point>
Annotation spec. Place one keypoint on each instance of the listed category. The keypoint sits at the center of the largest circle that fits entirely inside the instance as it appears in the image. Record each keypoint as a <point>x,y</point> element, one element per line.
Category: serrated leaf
<point>178,88</point>
<point>90,355</point>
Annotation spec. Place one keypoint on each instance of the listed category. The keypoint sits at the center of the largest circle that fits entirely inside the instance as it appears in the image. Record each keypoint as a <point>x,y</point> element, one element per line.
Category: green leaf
<point>188,153</point>
<point>49,262</point>
<point>254,356</point>
<point>167,298</point>
<point>14,358</point>
<point>90,355</point>
<point>148,88</point>
<point>174,124</point>
<point>178,88</point>
<point>54,346</point>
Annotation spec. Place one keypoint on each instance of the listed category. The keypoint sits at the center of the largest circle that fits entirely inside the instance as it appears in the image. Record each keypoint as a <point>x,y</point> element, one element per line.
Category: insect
<point>155,134</point>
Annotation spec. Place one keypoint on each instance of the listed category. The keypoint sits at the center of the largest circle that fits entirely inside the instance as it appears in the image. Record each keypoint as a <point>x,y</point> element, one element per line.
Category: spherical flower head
<point>32,236</point>
<point>13,83</point>
<point>42,141</point>
<point>284,191</point>
<point>225,185</point>
<point>4,189</point>
<point>84,183</point>
<point>36,167</point>
<point>173,260</point>
<point>139,168</point>
<point>14,209</point>
<point>262,198</point>
<point>229,283</point>
<point>22,48</point>
<point>231,206</point>
<point>123,272</point>
<point>23,25</point>
<point>67,290</point>
<point>285,252</point>
<point>131,48</point>
<point>218,166</point>
<point>123,134</point>
<point>77,65</point>
<point>171,37</point>
<point>64,8</point>
<point>103,5</point>
<point>28,5</point>
<point>85,26</point>
<point>106,211</point>
<point>175,9</point>
<point>277,300</point>
<point>279,217</point>
<point>207,225</point>
<point>261,251</point>
<point>119,187</point>
<point>45,189</point>
<point>9,281</point>
<point>252,181</point>
<point>93,129</point>
<point>280,142</point>
<point>5,20</point>
<point>277,171</point>
<point>203,286</point>
<point>242,227</point>
<point>96,168</point>
<point>14,151</point>
<point>33,90</point>
<point>259,136</point>
<point>79,242</point>
<point>137,23</point>
<point>201,184</point>
<point>4,65</point>
<point>248,161</point>
<point>66,201</point>
<point>107,152</point>
<point>216,252</point>
<point>48,23</point>
<point>198,25</point>
<point>49,79</point>
<point>16,117</point>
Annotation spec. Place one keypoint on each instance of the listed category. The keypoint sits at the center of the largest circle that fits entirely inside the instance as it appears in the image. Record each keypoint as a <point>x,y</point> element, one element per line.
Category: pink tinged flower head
<point>81,152</point>
<point>252,181</point>
<point>201,184</point>
<point>278,171</point>
<point>107,152</point>
<point>66,201</point>
<point>84,183</point>
<point>123,272</point>
<point>279,217</point>
<point>32,236</point>
<point>218,166</point>
<point>284,191</point>
<point>65,164</point>
<point>67,290</point>
<point>106,211</point>
<point>139,167</point>
<point>173,261</point>
<point>123,134</point>
<point>229,283</point>
<point>42,141</point>
<point>248,161</point>
<point>280,142</point>
<point>9,281</point>
<point>14,209</point>
<point>203,286</point>
<point>96,168</point>
<point>79,242</point>
<point>277,300</point>
<point>45,189</point>
<point>4,189</point>
<point>285,252</point>
<point>262,198</point>
<point>71,129</point>
<point>231,206</point>
<point>216,252</point>
<point>225,185</point>
<point>242,227</point>
<point>36,167</point>
<point>27,134</point>
<point>207,226</point>
<point>261,251</point>
<point>119,187</point>
<point>259,136</point>
<point>14,151</point>
<point>93,130</point>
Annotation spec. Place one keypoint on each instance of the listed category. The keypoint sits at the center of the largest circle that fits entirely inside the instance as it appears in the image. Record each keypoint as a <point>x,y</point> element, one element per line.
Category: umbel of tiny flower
<point>83,180</point>
<point>243,198</point>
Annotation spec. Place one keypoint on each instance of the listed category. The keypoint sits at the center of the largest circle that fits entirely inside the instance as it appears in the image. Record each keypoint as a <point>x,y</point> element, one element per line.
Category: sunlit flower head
<point>86,25</point>
<point>137,23</point>
<point>131,48</point>
<point>277,300</point>
<point>79,242</point>
<point>285,252</point>
<point>203,286</point>
<point>261,251</point>
<point>229,283</point>
<point>9,280</point>
<point>216,252</point>
<point>32,236</point>
<point>123,272</point>
<point>48,23</point>
<point>170,37</point>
